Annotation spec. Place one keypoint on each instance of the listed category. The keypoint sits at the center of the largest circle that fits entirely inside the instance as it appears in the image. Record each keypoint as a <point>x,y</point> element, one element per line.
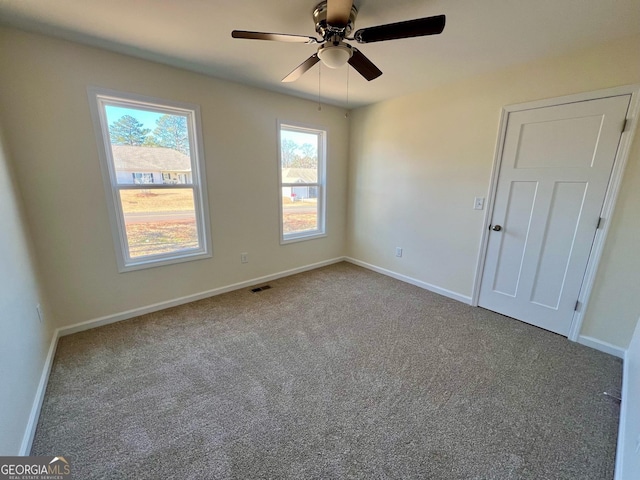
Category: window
<point>302,184</point>
<point>142,178</point>
<point>153,171</point>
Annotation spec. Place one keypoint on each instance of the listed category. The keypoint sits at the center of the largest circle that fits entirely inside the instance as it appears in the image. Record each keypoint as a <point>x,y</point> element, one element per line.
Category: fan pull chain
<point>346,114</point>
<point>319,78</point>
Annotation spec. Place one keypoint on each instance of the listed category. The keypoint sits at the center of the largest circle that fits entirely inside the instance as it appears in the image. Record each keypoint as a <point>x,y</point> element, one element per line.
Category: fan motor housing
<point>328,31</point>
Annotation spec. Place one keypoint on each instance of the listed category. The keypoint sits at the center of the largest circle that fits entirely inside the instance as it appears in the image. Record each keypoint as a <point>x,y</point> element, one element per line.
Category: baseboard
<point>624,407</point>
<point>30,431</point>
<point>418,283</point>
<point>602,346</point>
<point>27,440</point>
<point>582,339</point>
<point>117,317</point>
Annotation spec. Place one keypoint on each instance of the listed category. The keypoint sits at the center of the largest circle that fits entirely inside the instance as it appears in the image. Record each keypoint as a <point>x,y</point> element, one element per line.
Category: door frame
<point>610,199</point>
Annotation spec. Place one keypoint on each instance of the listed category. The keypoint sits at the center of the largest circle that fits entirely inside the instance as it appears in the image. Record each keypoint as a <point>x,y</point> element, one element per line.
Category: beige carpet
<point>335,373</point>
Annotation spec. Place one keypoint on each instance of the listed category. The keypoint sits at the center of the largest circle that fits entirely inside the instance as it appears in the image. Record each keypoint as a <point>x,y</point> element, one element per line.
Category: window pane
<point>299,209</point>
<point>159,221</point>
<point>299,152</point>
<point>149,147</point>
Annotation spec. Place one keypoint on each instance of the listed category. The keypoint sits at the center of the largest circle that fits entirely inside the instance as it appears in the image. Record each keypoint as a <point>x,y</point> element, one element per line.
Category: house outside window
<point>302,159</point>
<point>153,170</point>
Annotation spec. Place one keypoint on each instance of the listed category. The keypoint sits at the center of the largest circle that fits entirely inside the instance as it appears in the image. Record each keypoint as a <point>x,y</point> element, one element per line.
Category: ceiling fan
<point>334,21</point>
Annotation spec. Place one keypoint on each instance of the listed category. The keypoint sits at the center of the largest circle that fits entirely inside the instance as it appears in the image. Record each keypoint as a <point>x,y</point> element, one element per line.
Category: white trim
<point>574,98</point>
<point>493,188</point>
<point>117,317</point>
<point>621,160</point>
<point>30,430</point>
<point>609,202</point>
<point>413,281</point>
<point>602,346</point>
<point>32,424</point>
<point>627,465</point>
<point>622,422</point>
<point>300,237</point>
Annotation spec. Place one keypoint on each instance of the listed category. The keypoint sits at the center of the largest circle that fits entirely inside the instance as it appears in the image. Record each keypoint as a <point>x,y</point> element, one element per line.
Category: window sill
<point>301,237</point>
<point>152,263</point>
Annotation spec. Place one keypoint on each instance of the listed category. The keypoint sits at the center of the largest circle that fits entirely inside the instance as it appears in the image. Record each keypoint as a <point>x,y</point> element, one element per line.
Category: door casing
<point>611,196</point>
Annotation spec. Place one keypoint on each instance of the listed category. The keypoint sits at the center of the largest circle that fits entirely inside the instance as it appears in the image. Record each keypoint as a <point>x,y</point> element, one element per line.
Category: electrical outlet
<point>40,316</point>
<point>244,257</point>
<point>398,251</point>
<point>478,203</point>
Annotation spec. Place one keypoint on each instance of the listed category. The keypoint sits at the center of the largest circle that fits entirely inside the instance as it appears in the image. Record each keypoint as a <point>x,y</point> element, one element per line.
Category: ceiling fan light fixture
<point>334,21</point>
<point>335,56</point>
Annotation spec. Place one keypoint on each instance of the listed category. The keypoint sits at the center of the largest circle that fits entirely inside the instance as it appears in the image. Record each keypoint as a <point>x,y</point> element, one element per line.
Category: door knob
<point>496,228</point>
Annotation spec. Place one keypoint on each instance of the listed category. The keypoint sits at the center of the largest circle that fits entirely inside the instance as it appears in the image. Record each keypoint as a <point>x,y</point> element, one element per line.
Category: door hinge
<point>624,125</point>
<point>599,223</point>
<point>575,309</point>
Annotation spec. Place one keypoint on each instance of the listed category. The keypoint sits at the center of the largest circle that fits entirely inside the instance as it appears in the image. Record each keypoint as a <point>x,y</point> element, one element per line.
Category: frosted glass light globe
<point>335,56</point>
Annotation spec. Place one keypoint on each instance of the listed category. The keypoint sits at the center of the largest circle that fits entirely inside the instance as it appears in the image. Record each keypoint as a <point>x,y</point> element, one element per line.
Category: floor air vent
<point>259,289</point>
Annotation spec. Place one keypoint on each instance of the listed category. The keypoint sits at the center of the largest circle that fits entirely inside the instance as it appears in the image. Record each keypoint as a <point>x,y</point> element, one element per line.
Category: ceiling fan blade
<point>277,37</point>
<point>364,66</point>
<point>338,12</point>
<point>411,28</point>
<point>302,68</point>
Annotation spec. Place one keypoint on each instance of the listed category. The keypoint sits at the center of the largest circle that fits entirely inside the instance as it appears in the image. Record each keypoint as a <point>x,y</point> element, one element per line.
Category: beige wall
<point>45,110</point>
<point>24,340</point>
<point>418,161</point>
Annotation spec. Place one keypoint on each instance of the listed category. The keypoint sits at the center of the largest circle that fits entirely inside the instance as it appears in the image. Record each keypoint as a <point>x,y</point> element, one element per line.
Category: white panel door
<point>555,168</point>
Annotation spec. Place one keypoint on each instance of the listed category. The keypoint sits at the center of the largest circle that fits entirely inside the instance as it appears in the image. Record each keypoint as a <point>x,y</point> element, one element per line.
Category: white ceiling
<point>196,34</point>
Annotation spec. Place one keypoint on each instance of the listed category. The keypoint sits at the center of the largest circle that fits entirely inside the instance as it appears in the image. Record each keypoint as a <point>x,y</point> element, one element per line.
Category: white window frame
<point>98,99</point>
<point>286,238</point>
